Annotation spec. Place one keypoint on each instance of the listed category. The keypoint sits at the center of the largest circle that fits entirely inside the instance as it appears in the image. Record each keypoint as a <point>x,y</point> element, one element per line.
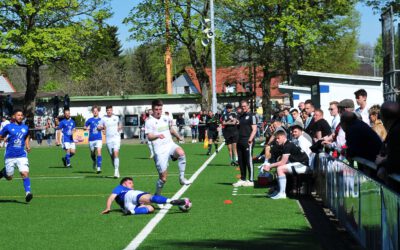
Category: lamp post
<point>213,65</point>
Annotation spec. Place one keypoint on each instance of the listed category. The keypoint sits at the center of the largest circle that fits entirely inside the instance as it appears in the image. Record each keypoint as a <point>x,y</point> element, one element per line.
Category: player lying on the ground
<point>134,201</point>
<point>17,135</point>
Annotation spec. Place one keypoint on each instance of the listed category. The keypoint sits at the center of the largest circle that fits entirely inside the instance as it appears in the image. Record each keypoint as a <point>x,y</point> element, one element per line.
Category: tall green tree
<point>148,24</point>
<point>35,33</point>
<point>278,35</point>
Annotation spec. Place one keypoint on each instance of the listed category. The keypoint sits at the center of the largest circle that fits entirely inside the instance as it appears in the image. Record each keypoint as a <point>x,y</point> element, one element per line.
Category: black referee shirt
<point>246,120</point>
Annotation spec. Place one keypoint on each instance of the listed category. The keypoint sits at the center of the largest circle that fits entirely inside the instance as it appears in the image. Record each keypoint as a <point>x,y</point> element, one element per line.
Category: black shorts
<point>230,137</point>
<point>213,135</point>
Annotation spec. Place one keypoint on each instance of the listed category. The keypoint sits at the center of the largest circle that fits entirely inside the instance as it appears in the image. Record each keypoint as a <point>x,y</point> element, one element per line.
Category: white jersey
<point>364,115</point>
<point>111,124</point>
<point>157,127</point>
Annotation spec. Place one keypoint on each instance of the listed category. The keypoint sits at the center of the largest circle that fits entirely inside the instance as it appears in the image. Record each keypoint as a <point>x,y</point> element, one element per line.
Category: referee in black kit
<point>247,132</point>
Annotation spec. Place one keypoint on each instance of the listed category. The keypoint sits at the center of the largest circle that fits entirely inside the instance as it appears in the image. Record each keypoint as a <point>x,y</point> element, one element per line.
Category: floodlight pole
<point>213,65</point>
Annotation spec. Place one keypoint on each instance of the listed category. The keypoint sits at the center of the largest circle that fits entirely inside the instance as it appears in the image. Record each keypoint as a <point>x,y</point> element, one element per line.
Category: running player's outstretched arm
<point>174,133</point>
<point>110,200</point>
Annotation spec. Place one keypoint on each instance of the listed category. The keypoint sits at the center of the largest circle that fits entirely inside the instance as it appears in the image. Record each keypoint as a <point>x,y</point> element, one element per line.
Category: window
<point>131,120</point>
<point>186,90</point>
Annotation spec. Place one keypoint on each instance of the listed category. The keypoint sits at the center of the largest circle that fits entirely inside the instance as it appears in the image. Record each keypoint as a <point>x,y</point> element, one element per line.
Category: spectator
<point>194,125</point>
<point>202,125</point>
<point>296,117</point>
<point>302,140</point>
<point>287,117</point>
<point>247,132</point>
<point>50,131</point>
<point>334,111</point>
<point>361,99</point>
<point>320,128</point>
<point>143,118</point>
<point>376,123</point>
<point>293,161</point>
<point>309,108</point>
<point>304,116</point>
<point>361,140</point>
<point>38,131</point>
<point>4,122</point>
<point>301,106</point>
<point>180,123</point>
<point>389,160</point>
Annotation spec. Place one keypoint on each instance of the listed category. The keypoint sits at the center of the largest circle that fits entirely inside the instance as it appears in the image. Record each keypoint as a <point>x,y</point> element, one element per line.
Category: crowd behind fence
<point>367,208</point>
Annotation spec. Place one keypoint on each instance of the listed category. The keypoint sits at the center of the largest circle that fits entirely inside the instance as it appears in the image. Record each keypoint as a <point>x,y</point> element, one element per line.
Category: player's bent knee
<point>145,199</point>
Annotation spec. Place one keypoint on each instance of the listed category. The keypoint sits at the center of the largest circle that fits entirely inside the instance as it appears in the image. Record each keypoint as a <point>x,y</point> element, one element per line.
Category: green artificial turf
<point>65,210</point>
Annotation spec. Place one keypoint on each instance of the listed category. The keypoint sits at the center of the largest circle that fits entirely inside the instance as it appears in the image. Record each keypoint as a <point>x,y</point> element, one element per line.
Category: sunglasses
<point>330,109</point>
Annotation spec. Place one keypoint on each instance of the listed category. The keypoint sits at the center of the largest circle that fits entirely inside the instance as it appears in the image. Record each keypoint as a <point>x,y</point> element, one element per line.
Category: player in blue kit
<point>15,155</point>
<point>67,127</point>
<point>95,138</point>
<point>134,201</point>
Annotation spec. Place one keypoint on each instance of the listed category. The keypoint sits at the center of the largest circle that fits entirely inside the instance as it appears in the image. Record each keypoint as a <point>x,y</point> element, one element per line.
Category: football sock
<point>68,159</point>
<point>99,160</point>
<point>158,199</point>
<point>93,155</point>
<point>209,148</point>
<point>150,148</point>
<point>141,210</point>
<point>159,186</point>
<point>182,165</point>
<point>27,184</point>
<point>282,184</point>
<point>216,146</point>
<point>116,163</point>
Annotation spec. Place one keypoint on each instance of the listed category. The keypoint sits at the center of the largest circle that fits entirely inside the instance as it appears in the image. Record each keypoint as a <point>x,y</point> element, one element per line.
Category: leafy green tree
<point>35,33</point>
<point>148,24</point>
<point>280,34</point>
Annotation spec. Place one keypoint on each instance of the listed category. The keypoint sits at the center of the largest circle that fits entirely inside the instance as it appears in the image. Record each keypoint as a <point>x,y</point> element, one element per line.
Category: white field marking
<point>135,243</point>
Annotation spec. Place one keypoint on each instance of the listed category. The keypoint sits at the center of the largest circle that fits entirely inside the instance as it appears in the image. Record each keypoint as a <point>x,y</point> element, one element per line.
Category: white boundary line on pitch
<point>135,243</point>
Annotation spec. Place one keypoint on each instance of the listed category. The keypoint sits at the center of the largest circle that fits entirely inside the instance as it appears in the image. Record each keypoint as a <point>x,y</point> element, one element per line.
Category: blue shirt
<point>94,133</point>
<point>120,191</point>
<point>16,140</point>
<point>67,126</point>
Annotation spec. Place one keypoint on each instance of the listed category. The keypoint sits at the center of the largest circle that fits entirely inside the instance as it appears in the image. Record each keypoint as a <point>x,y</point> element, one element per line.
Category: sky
<point>368,32</point>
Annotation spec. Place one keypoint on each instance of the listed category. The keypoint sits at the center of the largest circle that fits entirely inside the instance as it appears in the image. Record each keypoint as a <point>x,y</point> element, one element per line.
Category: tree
<point>381,5</point>
<point>35,33</point>
<point>280,34</point>
<point>148,24</point>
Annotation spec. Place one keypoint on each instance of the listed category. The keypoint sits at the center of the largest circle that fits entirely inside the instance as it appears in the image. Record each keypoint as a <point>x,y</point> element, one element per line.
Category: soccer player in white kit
<point>110,123</point>
<point>158,130</point>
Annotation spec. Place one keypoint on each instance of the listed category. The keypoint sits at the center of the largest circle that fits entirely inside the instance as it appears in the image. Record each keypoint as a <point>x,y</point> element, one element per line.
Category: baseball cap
<point>346,103</point>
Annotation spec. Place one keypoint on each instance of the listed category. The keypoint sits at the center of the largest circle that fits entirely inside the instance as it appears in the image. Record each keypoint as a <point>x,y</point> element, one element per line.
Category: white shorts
<point>69,145</point>
<point>299,168</point>
<point>95,144</point>
<point>131,199</point>
<point>113,145</point>
<point>21,163</point>
<point>161,158</point>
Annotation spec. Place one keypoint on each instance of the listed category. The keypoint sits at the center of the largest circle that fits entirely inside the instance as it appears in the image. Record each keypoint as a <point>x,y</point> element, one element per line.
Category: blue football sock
<point>158,199</point>
<point>141,210</point>
<point>68,159</point>
<point>99,160</point>
<point>27,184</point>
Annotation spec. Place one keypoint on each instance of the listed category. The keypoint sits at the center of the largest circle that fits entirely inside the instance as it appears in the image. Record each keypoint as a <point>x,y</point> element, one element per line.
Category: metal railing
<point>368,209</point>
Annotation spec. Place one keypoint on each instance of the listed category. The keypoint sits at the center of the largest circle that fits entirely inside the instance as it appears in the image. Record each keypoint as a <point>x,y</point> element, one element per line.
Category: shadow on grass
<point>13,201</point>
<point>225,183</point>
<point>219,165</point>
<point>295,239</point>
<point>100,177</point>
<point>143,158</point>
<point>57,167</point>
<point>84,172</point>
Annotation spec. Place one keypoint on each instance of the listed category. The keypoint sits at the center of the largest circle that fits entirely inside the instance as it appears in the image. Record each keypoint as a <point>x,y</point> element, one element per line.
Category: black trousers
<point>202,133</point>
<point>245,159</point>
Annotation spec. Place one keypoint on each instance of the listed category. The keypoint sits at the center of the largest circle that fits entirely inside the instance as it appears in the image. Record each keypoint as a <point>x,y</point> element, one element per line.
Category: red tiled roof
<point>236,76</point>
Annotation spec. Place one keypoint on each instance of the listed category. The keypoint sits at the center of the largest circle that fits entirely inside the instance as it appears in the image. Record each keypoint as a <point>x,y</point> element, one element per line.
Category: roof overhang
<point>309,78</point>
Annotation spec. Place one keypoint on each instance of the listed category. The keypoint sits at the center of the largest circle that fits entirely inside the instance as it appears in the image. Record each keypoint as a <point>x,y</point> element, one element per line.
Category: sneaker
<point>272,194</point>
<point>248,184</point>
<point>98,170</point>
<point>239,183</point>
<point>151,156</point>
<point>179,202</point>
<point>69,166</point>
<point>28,197</point>
<point>64,161</point>
<point>279,196</point>
<point>116,174</point>
<point>208,153</point>
<point>183,181</point>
